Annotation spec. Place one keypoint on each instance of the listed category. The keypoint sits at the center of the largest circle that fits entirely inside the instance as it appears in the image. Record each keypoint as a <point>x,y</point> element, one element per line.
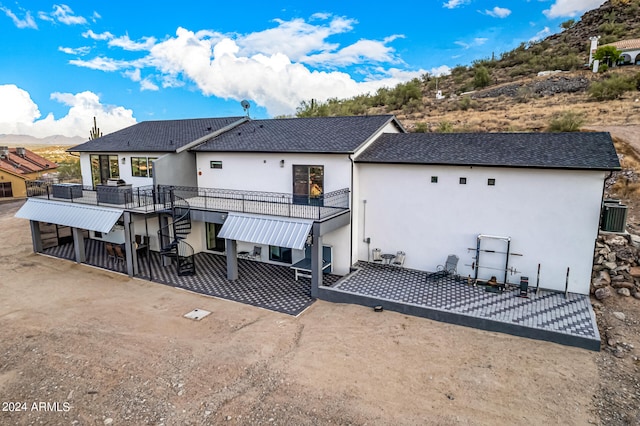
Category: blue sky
<point>126,62</point>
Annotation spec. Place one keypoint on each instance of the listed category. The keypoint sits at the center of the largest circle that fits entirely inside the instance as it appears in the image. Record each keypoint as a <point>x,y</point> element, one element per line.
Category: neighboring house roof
<point>631,44</point>
<point>579,150</point>
<point>300,135</point>
<point>21,161</point>
<point>156,136</point>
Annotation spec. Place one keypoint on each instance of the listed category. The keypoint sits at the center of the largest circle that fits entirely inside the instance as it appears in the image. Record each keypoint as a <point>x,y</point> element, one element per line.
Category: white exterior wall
<point>262,172</point>
<point>125,169</point>
<point>551,216</point>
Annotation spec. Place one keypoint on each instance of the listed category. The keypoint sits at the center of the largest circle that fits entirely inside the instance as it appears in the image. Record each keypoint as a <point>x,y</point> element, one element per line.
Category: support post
<point>78,245</point>
<point>130,250</point>
<point>36,236</point>
<point>316,261</point>
<point>164,239</point>
<point>232,259</point>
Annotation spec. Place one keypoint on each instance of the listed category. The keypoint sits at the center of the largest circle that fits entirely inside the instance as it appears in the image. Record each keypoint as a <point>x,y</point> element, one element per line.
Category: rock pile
<point>543,87</point>
<point>616,267</point>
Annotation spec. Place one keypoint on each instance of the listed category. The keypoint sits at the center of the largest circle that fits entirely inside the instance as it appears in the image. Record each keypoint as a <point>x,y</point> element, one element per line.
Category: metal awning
<point>271,230</point>
<point>83,216</point>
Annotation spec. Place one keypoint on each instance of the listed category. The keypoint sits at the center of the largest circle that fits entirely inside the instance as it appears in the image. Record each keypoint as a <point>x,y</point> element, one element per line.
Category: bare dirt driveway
<point>91,347</point>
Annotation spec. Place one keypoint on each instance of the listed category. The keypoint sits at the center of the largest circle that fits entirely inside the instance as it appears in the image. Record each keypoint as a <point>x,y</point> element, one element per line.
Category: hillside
<point>505,93</point>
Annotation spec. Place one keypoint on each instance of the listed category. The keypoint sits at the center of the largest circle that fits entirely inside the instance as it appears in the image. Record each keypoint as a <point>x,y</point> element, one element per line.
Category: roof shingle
<point>579,150</point>
<point>155,136</point>
<point>318,134</point>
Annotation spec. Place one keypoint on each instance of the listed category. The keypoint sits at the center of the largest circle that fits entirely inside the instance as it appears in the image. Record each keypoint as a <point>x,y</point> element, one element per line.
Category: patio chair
<point>399,259</point>
<point>120,257</point>
<point>257,253</point>
<point>450,267</point>
<point>111,254</point>
<point>376,254</point>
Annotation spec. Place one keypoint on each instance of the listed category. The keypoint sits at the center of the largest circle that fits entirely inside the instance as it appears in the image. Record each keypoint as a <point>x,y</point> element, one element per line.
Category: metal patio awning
<point>83,216</point>
<point>271,230</point>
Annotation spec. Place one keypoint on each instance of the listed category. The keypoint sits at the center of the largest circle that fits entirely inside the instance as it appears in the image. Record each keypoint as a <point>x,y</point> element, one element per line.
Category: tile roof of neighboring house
<point>21,161</point>
<point>318,134</point>
<point>156,136</point>
<point>631,44</point>
<point>580,150</point>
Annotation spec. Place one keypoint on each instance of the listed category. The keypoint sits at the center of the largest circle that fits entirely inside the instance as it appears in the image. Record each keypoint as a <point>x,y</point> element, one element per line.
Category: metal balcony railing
<point>149,198</point>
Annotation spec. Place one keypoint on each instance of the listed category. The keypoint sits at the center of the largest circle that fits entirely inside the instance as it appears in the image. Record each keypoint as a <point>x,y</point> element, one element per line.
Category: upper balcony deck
<point>147,199</point>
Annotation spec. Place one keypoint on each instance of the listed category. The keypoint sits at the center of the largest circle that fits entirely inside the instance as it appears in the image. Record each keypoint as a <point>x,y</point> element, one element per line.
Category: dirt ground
<point>101,348</point>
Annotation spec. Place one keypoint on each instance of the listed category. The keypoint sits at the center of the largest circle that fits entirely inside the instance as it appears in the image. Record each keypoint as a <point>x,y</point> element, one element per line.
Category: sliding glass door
<point>308,184</point>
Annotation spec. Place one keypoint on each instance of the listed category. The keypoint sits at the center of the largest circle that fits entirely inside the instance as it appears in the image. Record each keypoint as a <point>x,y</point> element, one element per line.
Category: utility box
<point>614,216</point>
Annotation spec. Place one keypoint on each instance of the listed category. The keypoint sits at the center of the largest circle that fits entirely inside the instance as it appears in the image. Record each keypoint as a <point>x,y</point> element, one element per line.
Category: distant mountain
<point>25,140</point>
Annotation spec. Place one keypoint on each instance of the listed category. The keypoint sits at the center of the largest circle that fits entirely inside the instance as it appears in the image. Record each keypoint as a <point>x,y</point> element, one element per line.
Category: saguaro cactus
<point>95,132</point>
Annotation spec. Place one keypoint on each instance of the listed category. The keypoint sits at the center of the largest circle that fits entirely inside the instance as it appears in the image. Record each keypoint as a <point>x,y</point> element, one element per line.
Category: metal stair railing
<point>176,232</point>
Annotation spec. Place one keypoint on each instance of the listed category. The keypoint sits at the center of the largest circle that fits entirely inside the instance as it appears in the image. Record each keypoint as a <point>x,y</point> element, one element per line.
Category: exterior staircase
<point>175,233</point>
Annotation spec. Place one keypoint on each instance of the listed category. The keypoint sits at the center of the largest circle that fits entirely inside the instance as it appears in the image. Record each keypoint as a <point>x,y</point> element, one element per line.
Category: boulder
<point>616,240</point>
<point>624,292</point>
<point>635,271</point>
<point>626,254</point>
<point>635,240</point>
<point>611,257</point>
<point>620,315</point>
<point>603,293</point>
<point>611,265</point>
<point>622,284</point>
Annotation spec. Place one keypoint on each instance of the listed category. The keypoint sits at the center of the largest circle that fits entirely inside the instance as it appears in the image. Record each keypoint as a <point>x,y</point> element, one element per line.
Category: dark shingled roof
<point>579,150</point>
<point>318,134</point>
<point>155,136</point>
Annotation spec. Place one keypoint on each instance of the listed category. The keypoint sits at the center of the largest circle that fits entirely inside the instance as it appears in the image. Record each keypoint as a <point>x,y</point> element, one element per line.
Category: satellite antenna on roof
<point>245,106</point>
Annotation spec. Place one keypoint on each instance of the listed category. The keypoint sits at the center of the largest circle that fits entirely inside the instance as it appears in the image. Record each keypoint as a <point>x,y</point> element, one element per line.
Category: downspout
<point>351,214</point>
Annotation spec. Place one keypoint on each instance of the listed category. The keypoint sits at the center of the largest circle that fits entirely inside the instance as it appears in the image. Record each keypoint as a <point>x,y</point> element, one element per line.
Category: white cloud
<point>101,63</point>
<point>276,68</point>
<point>541,34</point>
<point>27,22</point>
<point>79,51</point>
<point>295,38</point>
<point>147,84</point>
<point>63,14</point>
<point>498,12</point>
<point>571,8</point>
<point>20,115</point>
<point>102,36</point>
<point>440,71</point>
<point>452,4</point>
<point>478,41</point>
<point>126,43</point>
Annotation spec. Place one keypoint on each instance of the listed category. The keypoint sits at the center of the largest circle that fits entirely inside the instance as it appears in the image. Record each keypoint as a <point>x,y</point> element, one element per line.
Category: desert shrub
<point>444,127</point>
<point>568,121</point>
<point>610,88</point>
<point>524,94</point>
<point>602,68</point>
<point>466,102</point>
<point>421,128</point>
<point>481,77</point>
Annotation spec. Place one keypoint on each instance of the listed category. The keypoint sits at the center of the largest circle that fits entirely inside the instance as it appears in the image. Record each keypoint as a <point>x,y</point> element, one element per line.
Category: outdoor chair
<point>450,267</point>
<point>111,254</point>
<point>257,253</point>
<point>399,259</point>
<point>120,257</point>
<point>377,255</point>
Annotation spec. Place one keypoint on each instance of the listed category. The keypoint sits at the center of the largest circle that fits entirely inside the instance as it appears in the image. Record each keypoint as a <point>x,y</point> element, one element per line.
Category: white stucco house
<point>331,190</point>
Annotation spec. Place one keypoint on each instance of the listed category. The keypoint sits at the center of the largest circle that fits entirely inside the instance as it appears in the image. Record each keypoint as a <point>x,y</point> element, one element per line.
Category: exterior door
<point>308,184</point>
<point>215,243</point>
<point>104,167</point>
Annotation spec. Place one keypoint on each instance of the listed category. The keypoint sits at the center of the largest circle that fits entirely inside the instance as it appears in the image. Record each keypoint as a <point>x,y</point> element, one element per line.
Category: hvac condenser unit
<point>614,216</point>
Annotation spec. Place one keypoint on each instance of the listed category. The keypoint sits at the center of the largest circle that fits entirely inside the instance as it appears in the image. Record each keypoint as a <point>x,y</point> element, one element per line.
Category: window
<point>215,164</point>
<point>280,254</point>
<point>434,179</point>
<point>142,166</point>
<point>463,181</point>
<point>491,182</point>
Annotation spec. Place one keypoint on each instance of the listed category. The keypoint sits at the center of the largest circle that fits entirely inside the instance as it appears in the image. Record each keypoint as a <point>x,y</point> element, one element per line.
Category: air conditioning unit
<point>614,216</point>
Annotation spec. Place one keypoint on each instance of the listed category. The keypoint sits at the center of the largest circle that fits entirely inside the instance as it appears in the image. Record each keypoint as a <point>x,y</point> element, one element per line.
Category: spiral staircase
<point>172,236</point>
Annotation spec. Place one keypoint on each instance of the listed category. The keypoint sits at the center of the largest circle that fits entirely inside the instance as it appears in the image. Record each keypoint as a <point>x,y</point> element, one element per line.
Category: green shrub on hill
<point>610,88</point>
<point>568,121</point>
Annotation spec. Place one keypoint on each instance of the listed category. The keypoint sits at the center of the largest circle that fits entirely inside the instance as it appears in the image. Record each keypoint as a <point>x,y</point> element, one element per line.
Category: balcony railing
<point>149,199</point>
